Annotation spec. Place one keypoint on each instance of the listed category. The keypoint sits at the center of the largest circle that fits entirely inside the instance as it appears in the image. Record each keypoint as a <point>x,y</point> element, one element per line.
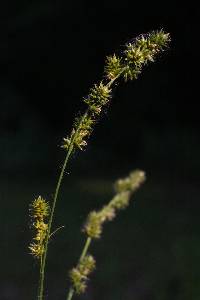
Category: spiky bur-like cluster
<point>129,65</point>
<point>124,189</point>
<point>136,55</point>
<point>39,213</point>
<point>79,275</point>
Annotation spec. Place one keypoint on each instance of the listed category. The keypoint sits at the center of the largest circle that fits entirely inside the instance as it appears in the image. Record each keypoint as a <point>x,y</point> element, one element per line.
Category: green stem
<point>42,270</point>
<point>71,293</point>
<point>85,248</point>
<point>41,260</point>
<point>83,254</point>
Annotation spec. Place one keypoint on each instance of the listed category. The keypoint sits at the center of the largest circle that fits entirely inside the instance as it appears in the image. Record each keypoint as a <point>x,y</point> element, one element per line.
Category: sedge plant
<point>126,66</point>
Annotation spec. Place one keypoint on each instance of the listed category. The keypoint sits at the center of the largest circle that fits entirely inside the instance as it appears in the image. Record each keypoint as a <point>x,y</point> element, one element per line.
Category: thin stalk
<point>42,269</point>
<point>85,248</point>
<point>83,254</point>
<point>41,259</point>
<point>71,293</point>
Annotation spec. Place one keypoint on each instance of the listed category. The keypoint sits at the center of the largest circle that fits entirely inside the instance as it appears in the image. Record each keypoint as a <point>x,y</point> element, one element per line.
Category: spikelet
<point>143,50</point>
<point>79,275</point>
<point>99,96</point>
<point>113,66</point>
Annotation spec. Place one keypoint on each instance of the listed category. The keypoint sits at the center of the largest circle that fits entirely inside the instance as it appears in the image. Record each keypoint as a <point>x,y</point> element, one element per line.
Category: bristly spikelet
<point>159,39</point>
<point>93,225</point>
<point>40,208</point>
<point>79,275</point>
<point>37,250</point>
<point>113,66</point>
<point>86,265</point>
<point>98,97</point>
<point>77,281</point>
<point>143,50</point>
<point>81,131</point>
<point>39,213</point>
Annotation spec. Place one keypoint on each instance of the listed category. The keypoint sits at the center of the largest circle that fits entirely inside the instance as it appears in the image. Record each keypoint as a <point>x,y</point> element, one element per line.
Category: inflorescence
<point>39,213</point>
<point>129,65</point>
<point>124,188</point>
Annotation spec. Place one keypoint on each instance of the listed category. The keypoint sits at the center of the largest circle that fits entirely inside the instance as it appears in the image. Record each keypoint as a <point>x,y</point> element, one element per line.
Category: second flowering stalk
<point>124,188</point>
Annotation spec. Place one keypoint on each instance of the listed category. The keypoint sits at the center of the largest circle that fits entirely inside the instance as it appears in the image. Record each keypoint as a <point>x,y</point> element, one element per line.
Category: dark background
<point>51,53</point>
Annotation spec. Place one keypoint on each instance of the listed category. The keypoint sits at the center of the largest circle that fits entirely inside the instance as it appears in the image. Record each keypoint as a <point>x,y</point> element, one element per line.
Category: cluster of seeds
<point>79,275</point>
<point>39,213</point>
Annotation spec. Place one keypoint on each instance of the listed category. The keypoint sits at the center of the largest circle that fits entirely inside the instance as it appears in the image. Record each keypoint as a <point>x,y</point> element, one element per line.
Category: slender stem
<point>69,151</point>
<point>42,270</point>
<point>71,293</point>
<point>83,254</point>
<point>85,248</point>
<point>41,259</point>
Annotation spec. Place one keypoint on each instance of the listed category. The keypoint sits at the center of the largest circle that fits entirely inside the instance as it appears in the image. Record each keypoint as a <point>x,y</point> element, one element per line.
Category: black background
<point>51,53</point>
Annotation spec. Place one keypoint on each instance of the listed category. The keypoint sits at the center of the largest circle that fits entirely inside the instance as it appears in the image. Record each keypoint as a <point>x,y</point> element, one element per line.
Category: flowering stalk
<point>94,224</point>
<point>136,55</point>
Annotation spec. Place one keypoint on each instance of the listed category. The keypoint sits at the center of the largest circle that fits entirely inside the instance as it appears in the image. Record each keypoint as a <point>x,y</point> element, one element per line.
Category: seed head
<point>40,210</point>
